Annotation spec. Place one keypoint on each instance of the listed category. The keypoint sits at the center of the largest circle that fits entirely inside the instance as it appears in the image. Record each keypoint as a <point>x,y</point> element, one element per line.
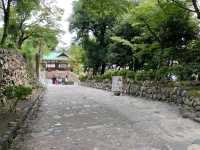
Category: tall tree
<point>43,40</point>
<point>28,16</point>
<point>121,51</point>
<point>166,31</point>
<point>95,19</point>
<point>5,6</point>
<point>76,58</point>
<point>23,12</point>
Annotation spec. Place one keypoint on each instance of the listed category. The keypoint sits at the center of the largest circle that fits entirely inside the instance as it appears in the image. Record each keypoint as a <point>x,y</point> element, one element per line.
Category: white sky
<point>66,38</point>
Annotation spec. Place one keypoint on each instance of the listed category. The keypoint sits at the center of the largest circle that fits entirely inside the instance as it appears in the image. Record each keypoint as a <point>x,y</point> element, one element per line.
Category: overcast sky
<point>66,37</point>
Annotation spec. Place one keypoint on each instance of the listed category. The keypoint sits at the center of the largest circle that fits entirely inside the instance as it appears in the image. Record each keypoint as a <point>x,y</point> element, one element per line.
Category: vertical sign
<point>117,84</point>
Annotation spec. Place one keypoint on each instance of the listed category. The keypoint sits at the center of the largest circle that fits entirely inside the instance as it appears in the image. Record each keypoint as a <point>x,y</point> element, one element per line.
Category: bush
<point>98,78</point>
<point>130,75</point>
<point>179,71</point>
<point>124,73</point>
<point>83,78</point>
<point>108,74</point>
<point>19,92</point>
<point>162,73</point>
<point>16,93</point>
<point>182,72</point>
<point>143,75</point>
<point>140,75</point>
<point>194,91</point>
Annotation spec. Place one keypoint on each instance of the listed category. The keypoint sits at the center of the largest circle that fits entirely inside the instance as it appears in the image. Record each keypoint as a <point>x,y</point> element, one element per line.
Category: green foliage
<point>32,27</point>
<point>95,55</point>
<point>143,75</point>
<point>77,60</point>
<point>159,40</point>
<point>191,58</point>
<point>42,39</point>
<point>181,73</point>
<point>121,50</point>
<point>97,18</point>
<point>110,73</point>
<point>163,73</point>
<point>195,93</point>
<point>83,77</point>
<point>17,92</point>
<point>130,75</point>
<point>193,90</point>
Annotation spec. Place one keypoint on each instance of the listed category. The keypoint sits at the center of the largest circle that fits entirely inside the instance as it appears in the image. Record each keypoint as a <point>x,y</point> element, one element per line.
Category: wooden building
<point>56,65</point>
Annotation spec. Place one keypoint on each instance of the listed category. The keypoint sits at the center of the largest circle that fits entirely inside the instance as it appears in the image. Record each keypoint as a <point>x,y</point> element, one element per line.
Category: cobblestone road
<point>80,118</point>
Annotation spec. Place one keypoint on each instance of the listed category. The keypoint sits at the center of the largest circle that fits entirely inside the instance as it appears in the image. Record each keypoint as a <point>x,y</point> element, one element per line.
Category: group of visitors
<point>56,80</point>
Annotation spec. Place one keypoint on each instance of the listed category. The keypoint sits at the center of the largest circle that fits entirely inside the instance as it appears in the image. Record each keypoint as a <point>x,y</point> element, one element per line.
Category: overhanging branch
<point>197,9</point>
<point>181,6</point>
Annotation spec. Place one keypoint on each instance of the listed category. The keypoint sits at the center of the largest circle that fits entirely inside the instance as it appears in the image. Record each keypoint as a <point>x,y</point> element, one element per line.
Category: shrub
<point>162,73</point>
<point>140,75</point>
<point>182,72</point>
<point>179,71</point>
<point>194,91</point>
<point>83,78</point>
<point>19,92</point>
<point>143,75</point>
<point>110,73</point>
<point>150,75</point>
<point>99,78</point>
<point>16,93</point>
<point>130,75</point>
<point>124,73</point>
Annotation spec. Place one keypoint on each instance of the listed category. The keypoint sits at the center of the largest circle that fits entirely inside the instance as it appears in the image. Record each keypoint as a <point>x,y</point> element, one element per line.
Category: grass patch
<point>194,91</point>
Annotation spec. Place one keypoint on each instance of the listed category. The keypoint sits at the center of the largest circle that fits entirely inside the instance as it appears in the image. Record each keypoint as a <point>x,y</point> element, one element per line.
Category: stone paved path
<point>80,118</point>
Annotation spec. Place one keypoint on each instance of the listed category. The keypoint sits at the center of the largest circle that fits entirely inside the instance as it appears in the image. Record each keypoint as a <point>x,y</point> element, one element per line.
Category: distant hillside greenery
<point>156,40</point>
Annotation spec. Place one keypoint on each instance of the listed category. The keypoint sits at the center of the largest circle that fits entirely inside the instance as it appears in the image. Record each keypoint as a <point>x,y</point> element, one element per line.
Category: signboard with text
<point>117,84</point>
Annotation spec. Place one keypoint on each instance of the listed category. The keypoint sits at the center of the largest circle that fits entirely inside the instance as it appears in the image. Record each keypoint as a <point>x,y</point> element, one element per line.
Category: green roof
<point>55,55</point>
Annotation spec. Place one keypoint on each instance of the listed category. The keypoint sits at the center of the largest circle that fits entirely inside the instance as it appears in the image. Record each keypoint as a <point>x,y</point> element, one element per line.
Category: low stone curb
<point>13,127</point>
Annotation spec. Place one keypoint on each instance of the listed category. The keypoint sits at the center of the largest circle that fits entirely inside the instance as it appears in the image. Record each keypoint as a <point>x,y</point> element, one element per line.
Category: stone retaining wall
<point>13,68</point>
<point>152,90</point>
<point>14,71</point>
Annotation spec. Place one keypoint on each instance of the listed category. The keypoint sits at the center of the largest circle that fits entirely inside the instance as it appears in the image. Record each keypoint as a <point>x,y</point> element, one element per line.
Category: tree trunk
<point>95,69</point>
<point>37,59</point>
<point>5,28</point>
<point>19,44</point>
<point>196,8</point>
<point>6,21</point>
<point>94,72</point>
<point>103,68</point>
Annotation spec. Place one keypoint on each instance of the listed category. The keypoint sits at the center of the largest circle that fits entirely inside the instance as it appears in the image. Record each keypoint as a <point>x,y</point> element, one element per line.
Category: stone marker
<point>117,84</point>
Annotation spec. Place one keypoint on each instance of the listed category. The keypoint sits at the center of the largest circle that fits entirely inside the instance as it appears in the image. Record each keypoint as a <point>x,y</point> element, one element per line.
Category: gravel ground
<point>80,118</point>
